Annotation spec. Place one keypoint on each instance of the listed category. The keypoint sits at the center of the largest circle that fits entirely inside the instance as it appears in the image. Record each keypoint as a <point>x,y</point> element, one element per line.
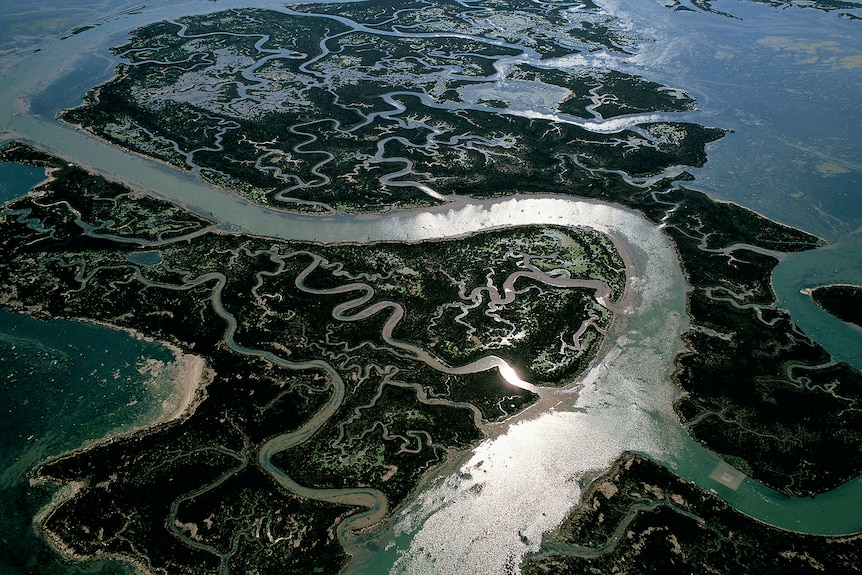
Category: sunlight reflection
<point>510,375</point>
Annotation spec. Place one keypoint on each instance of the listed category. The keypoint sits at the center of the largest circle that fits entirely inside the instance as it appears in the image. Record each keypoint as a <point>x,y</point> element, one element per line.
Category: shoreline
<point>188,383</point>
<point>808,291</point>
<point>63,494</point>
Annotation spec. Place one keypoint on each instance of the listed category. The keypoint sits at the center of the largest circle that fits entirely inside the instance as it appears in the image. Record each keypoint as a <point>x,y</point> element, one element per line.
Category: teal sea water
<point>15,180</point>
<point>63,384</point>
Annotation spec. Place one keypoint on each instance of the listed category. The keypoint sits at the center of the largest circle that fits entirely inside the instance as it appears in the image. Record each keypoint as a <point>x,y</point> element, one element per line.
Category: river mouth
<point>624,403</point>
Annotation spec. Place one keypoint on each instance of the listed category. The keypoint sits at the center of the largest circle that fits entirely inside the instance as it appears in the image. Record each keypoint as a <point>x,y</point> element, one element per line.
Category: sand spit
<point>188,377</point>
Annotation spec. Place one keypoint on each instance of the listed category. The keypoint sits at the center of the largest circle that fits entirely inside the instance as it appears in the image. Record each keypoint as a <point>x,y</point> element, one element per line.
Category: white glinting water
<point>520,485</point>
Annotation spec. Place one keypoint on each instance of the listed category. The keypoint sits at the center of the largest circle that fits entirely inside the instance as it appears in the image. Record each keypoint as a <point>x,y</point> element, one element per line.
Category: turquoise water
<point>839,263</point>
<point>835,512</point>
<point>62,384</point>
<point>15,180</point>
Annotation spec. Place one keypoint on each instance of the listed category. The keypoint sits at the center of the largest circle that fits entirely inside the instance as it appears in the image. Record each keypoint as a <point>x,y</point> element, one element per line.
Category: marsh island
<point>842,301</point>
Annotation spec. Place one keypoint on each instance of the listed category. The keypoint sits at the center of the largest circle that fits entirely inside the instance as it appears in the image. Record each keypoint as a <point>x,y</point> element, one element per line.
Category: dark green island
<point>842,301</point>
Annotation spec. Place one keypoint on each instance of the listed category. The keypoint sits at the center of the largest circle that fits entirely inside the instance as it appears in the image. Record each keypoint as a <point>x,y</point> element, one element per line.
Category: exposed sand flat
<point>190,382</point>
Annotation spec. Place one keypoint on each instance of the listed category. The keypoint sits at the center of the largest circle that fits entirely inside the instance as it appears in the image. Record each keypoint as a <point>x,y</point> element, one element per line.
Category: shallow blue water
<point>62,384</point>
<point>16,179</point>
<point>786,83</point>
<point>69,90</point>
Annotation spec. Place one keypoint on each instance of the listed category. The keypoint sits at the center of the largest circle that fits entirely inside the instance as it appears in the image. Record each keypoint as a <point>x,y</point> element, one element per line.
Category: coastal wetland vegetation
<point>371,107</point>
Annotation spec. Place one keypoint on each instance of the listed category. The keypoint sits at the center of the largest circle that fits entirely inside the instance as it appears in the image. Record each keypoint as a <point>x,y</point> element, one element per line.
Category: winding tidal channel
<point>522,481</point>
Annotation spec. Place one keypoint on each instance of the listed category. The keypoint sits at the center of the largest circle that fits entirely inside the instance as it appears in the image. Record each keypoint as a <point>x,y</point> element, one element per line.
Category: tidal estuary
<point>521,482</point>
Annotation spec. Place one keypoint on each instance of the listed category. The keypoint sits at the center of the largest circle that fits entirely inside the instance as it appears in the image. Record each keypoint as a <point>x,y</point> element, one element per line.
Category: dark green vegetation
<point>756,388</point>
<point>842,301</point>
<point>189,496</point>
<point>327,114</point>
<point>362,112</point>
<point>640,518</point>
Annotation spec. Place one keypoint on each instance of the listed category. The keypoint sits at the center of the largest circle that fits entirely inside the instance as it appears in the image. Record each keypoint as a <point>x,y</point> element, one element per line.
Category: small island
<point>842,301</point>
